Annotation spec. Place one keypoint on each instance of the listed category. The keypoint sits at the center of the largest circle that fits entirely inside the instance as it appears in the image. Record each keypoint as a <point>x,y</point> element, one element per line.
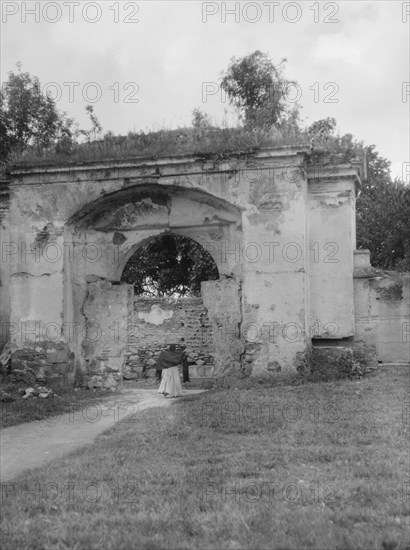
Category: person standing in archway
<point>168,362</point>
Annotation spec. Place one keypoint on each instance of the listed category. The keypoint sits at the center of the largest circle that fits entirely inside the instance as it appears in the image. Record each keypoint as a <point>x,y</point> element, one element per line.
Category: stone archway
<point>156,319</point>
<point>73,226</point>
<point>110,230</point>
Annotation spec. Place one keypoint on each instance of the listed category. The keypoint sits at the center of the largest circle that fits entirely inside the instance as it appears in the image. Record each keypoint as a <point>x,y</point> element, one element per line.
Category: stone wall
<point>49,363</point>
<point>382,311</point>
<point>332,240</point>
<point>106,312</point>
<point>261,215</point>
<point>4,265</point>
<point>158,322</point>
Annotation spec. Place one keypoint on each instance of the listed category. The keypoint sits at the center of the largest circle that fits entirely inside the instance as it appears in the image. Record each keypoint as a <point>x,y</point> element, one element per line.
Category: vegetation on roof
<point>202,142</point>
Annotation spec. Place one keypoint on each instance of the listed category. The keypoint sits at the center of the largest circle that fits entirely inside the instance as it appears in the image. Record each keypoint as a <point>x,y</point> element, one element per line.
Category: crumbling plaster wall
<point>35,263</point>
<point>4,269</point>
<point>107,311</point>
<point>382,311</point>
<point>249,211</point>
<point>50,199</point>
<point>117,232</point>
<point>331,245</point>
<point>222,299</point>
<point>275,287</point>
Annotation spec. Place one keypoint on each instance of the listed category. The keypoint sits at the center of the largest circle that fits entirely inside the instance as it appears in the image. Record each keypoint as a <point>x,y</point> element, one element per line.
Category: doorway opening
<point>166,273</point>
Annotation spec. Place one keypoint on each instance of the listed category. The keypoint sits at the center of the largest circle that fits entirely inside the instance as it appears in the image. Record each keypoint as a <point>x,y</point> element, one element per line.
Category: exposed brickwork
<point>157,322</point>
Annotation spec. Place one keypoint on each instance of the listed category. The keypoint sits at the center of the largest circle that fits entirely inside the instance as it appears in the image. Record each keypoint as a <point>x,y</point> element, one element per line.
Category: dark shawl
<point>168,359</point>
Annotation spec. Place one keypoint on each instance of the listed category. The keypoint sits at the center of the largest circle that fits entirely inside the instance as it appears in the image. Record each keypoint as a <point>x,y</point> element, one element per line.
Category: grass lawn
<point>317,465</point>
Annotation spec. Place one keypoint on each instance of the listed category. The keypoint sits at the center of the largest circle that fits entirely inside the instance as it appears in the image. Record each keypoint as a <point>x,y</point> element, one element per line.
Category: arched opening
<point>165,246</point>
<point>166,272</point>
<point>169,265</point>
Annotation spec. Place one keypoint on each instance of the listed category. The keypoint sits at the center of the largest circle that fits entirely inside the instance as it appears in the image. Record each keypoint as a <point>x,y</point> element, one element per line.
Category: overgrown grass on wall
<point>162,143</point>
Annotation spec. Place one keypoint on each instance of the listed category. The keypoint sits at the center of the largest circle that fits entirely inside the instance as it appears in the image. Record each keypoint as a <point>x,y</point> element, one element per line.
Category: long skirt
<point>170,382</point>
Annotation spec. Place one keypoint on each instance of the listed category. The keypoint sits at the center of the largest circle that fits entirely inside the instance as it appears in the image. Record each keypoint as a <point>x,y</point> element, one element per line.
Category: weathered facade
<point>280,228</point>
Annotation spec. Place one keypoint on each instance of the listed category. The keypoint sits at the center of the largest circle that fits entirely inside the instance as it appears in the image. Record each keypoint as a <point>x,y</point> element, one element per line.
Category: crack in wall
<point>22,274</point>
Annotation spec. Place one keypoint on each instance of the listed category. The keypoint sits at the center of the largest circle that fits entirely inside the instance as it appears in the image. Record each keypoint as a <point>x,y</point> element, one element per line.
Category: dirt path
<point>32,444</point>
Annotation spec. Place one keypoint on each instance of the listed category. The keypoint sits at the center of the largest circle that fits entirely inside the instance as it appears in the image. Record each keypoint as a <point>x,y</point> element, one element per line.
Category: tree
<point>322,130</point>
<point>96,127</point>
<point>200,120</point>
<point>383,214</point>
<point>30,120</point>
<point>382,205</point>
<point>169,265</point>
<point>255,87</point>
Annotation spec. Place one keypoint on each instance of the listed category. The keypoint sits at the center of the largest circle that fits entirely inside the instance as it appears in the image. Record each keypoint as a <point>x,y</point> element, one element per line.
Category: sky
<point>147,65</point>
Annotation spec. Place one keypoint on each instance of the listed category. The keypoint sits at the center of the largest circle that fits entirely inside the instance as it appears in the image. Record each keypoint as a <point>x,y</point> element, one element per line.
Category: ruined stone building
<point>293,292</point>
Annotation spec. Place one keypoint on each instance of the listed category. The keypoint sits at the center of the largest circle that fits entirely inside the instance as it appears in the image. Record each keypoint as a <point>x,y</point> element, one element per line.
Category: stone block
<point>57,355</point>
<point>92,278</point>
<point>96,366</point>
<point>130,376</point>
<point>43,372</point>
<point>110,382</point>
<point>61,368</point>
<point>95,382</point>
<point>58,382</point>
<point>114,364</point>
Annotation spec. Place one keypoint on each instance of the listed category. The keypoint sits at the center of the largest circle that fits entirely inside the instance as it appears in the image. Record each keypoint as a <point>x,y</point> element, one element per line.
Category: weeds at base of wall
<point>360,364</point>
<point>345,367</point>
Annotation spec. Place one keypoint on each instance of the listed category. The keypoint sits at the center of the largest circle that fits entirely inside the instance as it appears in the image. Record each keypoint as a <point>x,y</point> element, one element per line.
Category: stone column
<point>274,256</point>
